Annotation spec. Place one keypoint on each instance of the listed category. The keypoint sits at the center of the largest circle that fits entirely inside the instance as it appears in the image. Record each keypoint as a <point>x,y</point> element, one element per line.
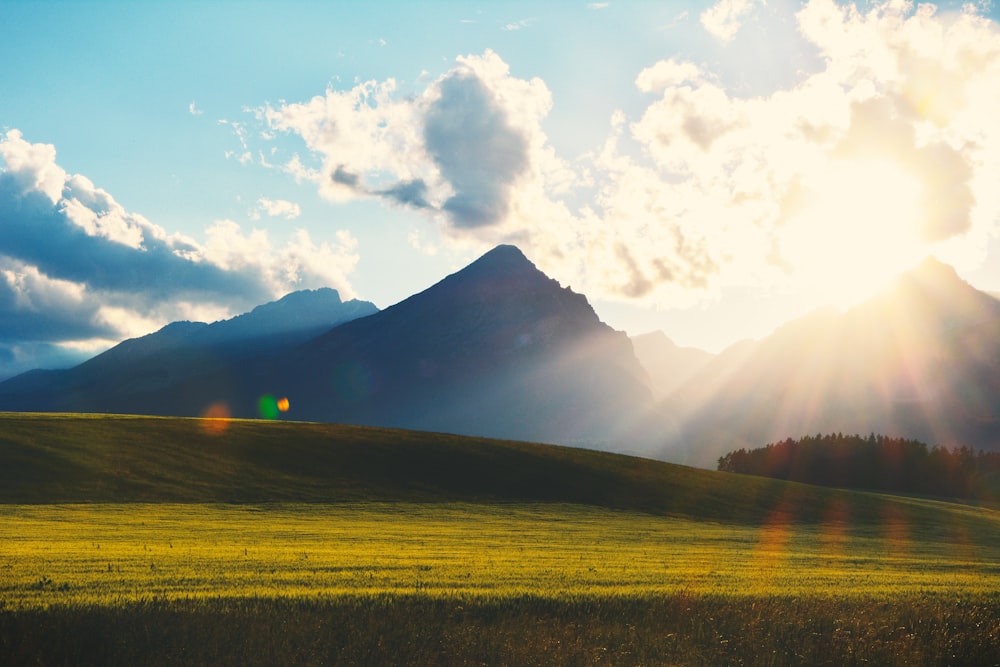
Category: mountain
<point>497,349</point>
<point>919,360</point>
<point>132,376</point>
<point>669,365</point>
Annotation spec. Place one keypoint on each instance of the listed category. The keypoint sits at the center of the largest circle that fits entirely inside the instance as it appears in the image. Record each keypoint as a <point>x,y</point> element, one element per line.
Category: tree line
<point>874,462</point>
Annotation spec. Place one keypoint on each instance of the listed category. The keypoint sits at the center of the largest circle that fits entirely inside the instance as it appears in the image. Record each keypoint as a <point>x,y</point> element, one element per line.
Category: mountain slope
<point>669,365</point>
<point>920,360</point>
<point>496,349</point>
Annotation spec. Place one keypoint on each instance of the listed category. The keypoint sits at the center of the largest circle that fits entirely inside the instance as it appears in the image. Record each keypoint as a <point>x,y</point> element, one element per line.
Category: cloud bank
<point>887,151</point>
<point>78,271</point>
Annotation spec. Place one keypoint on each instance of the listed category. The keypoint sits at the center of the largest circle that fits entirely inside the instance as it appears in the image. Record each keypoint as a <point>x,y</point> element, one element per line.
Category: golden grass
<point>113,554</point>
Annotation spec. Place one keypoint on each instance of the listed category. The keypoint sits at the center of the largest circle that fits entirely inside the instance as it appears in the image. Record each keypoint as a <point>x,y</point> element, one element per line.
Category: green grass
<point>173,541</point>
<point>49,459</point>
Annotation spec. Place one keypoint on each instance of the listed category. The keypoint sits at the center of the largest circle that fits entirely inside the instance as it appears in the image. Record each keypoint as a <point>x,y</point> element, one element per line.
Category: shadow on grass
<point>414,630</point>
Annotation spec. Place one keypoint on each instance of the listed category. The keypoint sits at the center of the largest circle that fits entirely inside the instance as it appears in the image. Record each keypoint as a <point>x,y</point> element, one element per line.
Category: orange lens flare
<point>215,419</point>
<point>269,407</point>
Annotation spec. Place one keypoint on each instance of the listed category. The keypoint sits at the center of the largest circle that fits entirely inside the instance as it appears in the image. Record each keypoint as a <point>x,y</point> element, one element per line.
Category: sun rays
<point>854,227</point>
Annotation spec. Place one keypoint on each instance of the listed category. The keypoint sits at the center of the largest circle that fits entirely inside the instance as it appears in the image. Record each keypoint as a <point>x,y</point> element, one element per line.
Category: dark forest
<point>874,462</point>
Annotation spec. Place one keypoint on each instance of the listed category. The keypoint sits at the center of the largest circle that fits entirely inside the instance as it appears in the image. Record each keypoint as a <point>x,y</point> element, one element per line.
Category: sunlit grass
<point>129,541</point>
<point>113,554</point>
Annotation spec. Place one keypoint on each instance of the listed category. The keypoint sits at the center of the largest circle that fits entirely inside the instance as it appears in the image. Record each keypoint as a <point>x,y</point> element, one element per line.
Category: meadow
<point>126,553</point>
<point>643,566</point>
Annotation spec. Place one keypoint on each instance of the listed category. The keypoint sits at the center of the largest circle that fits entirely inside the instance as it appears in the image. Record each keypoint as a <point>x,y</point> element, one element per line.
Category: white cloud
<point>893,92</point>
<point>457,149</point>
<point>32,166</point>
<point>725,18</point>
<point>300,264</point>
<point>278,208</point>
<point>666,73</point>
<point>77,269</point>
<point>723,189</point>
<point>357,132</point>
<point>36,292</point>
<point>194,110</point>
<point>521,24</point>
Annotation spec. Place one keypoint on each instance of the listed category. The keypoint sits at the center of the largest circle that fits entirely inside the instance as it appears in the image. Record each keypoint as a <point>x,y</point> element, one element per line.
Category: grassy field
<point>110,554</point>
<point>310,544</point>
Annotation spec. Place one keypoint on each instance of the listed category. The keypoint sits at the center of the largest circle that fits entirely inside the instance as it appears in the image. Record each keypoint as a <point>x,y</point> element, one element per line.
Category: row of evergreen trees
<point>874,462</point>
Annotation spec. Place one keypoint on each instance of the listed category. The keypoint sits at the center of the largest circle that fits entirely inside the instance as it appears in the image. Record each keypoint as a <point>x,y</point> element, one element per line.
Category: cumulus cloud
<point>892,101</point>
<point>886,151</point>
<point>471,141</point>
<point>725,18</point>
<point>301,262</point>
<point>458,149</point>
<point>31,167</point>
<point>667,73</point>
<point>75,266</point>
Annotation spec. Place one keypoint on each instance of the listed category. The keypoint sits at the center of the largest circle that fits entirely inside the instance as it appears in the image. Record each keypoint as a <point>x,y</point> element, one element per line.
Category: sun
<point>856,227</point>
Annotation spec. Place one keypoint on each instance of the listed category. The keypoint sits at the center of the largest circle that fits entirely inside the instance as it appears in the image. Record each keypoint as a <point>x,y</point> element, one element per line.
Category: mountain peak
<point>931,290</point>
<point>303,303</point>
<point>936,287</point>
<point>505,252</point>
<point>501,260</point>
<point>503,274</point>
<point>932,271</point>
<point>306,309</point>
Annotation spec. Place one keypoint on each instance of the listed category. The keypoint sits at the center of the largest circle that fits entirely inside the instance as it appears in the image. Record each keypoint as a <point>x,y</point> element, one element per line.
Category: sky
<point>710,170</point>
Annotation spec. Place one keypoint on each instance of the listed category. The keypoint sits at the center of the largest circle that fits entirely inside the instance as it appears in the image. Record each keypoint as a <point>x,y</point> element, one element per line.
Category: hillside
<point>74,459</point>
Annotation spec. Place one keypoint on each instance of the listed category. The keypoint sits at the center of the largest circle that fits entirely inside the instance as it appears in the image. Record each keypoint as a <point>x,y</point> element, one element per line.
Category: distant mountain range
<point>919,360</point>
<point>669,365</point>
<point>499,349</point>
<point>139,374</point>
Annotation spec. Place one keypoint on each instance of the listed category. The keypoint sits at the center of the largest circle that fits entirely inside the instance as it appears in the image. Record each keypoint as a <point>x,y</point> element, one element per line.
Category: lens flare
<point>833,531</point>
<point>895,531</point>
<point>283,404</point>
<point>267,407</point>
<point>215,419</point>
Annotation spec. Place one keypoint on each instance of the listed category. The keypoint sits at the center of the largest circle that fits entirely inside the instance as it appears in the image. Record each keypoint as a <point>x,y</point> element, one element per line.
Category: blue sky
<point>708,169</point>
